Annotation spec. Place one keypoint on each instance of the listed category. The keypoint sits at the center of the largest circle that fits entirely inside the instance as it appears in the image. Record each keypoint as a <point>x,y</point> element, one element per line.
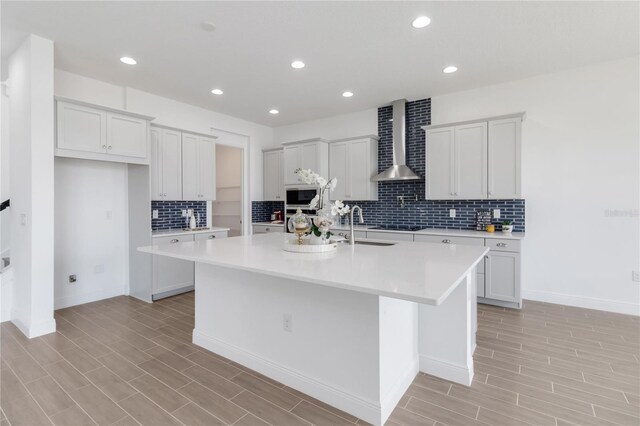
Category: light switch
<point>452,212</point>
<point>496,213</point>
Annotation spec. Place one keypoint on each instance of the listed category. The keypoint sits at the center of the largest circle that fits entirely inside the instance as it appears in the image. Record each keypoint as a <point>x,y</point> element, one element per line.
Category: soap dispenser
<point>192,220</point>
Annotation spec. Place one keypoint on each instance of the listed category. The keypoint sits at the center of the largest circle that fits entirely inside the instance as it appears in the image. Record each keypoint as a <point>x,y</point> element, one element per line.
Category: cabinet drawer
<point>343,233</point>
<point>500,244</point>
<point>444,239</point>
<point>392,236</point>
<point>210,235</point>
<point>263,229</point>
<point>172,239</point>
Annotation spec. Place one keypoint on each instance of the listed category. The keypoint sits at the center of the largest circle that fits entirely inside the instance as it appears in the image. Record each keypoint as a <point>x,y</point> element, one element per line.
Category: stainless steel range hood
<point>399,169</point>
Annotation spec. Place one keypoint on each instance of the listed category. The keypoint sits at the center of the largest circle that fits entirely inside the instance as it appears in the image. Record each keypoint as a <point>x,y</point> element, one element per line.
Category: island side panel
<point>447,334</point>
<point>331,352</point>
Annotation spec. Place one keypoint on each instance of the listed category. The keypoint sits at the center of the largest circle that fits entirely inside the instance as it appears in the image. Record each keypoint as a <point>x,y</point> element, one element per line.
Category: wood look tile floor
<point>124,362</point>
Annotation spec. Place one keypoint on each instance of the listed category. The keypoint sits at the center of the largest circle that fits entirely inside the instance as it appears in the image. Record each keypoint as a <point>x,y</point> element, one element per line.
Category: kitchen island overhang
<point>350,328</point>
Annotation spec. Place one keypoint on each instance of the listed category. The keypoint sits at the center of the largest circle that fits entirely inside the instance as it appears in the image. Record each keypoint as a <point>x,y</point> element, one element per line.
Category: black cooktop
<point>397,228</point>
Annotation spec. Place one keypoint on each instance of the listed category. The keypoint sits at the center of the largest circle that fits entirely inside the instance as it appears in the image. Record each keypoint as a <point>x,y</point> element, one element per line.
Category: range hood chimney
<point>399,169</point>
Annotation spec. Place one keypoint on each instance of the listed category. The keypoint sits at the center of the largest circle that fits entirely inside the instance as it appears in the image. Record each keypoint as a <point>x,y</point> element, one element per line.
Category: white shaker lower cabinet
<point>198,167</point>
<point>502,271</point>
<point>265,229</point>
<point>171,276</point>
<point>390,236</point>
<point>210,235</point>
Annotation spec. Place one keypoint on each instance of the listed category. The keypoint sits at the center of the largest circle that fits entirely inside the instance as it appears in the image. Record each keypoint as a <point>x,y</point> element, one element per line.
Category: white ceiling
<point>369,48</point>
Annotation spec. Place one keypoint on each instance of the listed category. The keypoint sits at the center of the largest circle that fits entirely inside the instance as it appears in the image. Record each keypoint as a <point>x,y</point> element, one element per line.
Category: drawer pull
<point>211,237</point>
<point>267,229</point>
<point>501,244</point>
<point>175,240</point>
<point>446,241</point>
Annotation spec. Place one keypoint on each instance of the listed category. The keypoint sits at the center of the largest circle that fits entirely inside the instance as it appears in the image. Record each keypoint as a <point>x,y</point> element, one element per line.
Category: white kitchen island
<point>350,328</point>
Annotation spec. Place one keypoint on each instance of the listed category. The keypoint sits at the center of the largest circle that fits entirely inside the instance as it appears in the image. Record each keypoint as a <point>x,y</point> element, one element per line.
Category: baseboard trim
<point>445,370</point>
<point>390,401</point>
<point>584,302</point>
<point>367,410</point>
<point>34,330</point>
<point>79,299</point>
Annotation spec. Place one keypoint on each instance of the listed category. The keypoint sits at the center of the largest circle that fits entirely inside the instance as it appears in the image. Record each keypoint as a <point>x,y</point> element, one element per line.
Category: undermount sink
<point>374,243</point>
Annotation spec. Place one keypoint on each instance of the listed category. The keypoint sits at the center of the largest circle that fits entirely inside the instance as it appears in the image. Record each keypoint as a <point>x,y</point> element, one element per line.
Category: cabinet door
<point>480,284</point>
<point>504,158</point>
<point>440,167</point>
<point>339,160</point>
<point>291,163</point>
<point>207,168</point>
<point>171,274</point>
<point>155,165</point>
<point>360,169</point>
<point>502,276</point>
<point>309,156</point>
<point>126,136</point>
<point>190,176</point>
<point>81,128</point>
<point>471,161</point>
<point>272,175</point>
<point>171,150</point>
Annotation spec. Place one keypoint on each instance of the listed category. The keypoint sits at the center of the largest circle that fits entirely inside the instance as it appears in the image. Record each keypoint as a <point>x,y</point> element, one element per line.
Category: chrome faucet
<point>352,238</point>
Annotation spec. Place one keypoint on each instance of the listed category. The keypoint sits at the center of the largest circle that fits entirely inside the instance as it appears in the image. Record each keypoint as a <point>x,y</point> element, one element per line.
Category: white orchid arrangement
<point>321,224</point>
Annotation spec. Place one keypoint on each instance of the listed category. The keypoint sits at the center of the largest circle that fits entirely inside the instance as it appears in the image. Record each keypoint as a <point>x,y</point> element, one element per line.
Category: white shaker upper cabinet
<point>354,161</point>
<point>440,163</point>
<point>470,161</point>
<point>93,132</point>
<point>166,164</point>
<point>273,179</point>
<point>198,167</point>
<point>81,128</point>
<point>308,154</point>
<point>504,152</point>
<point>126,136</point>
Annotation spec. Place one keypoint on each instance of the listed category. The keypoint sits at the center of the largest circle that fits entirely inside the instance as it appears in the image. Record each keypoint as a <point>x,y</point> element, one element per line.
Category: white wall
<point>31,106</point>
<point>581,148</point>
<point>6,278</point>
<point>337,127</point>
<point>90,216</point>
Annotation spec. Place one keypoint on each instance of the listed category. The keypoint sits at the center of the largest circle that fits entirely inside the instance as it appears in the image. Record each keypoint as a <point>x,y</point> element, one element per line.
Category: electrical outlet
<point>287,322</point>
<point>72,279</point>
<point>184,213</point>
<point>635,276</point>
<point>154,213</point>
<point>452,212</point>
<point>496,213</point>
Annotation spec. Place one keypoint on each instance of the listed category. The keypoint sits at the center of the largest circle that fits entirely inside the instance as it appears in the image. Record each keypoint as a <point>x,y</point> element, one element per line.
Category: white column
<point>32,185</point>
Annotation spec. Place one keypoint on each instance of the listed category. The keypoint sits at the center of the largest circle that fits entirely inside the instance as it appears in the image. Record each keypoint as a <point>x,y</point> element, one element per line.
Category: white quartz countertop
<point>268,223</point>
<point>419,272</point>
<point>170,232</point>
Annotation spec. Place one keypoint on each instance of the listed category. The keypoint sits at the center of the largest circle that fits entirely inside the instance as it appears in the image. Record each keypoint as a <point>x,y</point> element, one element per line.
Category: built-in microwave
<point>300,197</point>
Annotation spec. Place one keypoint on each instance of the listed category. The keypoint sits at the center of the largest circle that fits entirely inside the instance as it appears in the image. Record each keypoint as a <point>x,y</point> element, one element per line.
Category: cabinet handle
<point>446,241</point>
<point>104,147</point>
<point>486,257</point>
<point>211,237</point>
<point>267,229</point>
<point>175,240</point>
<point>501,244</point>
<point>109,147</point>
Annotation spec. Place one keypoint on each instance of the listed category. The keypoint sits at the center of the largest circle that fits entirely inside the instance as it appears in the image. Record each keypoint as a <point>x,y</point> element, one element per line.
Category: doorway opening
<point>227,209</point>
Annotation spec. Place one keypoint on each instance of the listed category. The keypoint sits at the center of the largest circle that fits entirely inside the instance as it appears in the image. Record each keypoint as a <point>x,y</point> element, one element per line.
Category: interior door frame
<point>242,141</point>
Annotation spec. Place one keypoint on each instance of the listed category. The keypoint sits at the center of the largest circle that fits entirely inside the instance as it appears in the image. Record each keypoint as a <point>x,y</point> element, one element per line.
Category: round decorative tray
<point>293,246</point>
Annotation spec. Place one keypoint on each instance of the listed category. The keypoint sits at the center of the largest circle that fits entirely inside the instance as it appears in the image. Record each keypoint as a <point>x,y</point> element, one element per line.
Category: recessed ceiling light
<point>297,64</point>
<point>347,94</point>
<point>127,60</point>
<point>217,92</point>
<point>450,69</point>
<point>208,26</point>
<point>274,111</point>
<point>421,22</point>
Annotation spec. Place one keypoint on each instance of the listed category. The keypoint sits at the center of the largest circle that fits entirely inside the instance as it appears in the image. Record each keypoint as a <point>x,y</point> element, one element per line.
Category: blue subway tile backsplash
<point>170,213</point>
<point>261,210</point>
<point>422,213</point>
